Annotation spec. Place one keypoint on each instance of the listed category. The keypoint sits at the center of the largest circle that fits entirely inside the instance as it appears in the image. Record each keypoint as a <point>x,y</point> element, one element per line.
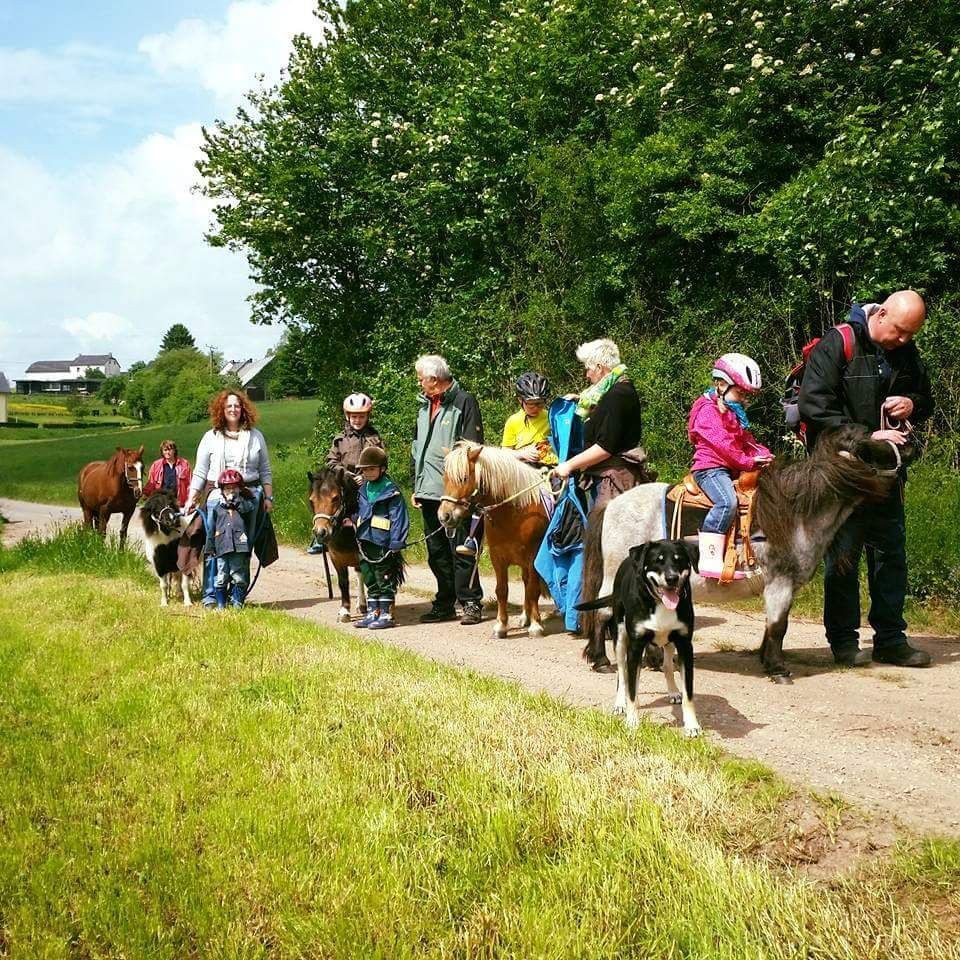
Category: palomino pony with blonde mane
<point>492,481</point>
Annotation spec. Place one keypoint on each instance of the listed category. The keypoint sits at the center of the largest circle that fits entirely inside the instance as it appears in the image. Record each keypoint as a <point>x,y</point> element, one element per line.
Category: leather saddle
<point>738,551</point>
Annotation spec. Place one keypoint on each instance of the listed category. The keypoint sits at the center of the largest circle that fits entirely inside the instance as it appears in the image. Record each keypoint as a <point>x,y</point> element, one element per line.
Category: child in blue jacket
<point>227,539</point>
<point>382,524</point>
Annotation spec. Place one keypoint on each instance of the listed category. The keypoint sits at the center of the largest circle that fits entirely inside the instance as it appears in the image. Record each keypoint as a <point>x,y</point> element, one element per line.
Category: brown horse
<point>333,500</point>
<point>507,491</point>
<point>111,486</point>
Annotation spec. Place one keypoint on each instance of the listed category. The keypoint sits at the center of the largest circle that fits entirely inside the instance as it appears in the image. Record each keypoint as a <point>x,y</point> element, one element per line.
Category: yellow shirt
<point>521,431</point>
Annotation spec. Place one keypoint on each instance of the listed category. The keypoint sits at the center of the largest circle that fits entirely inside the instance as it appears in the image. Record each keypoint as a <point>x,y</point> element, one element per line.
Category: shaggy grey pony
<point>799,507</point>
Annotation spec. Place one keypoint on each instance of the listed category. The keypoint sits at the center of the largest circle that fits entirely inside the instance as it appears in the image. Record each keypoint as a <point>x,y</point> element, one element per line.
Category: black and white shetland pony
<point>163,527</point>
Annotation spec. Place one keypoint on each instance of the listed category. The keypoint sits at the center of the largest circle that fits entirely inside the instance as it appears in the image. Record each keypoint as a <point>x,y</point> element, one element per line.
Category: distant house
<point>4,391</point>
<point>67,376</point>
<point>252,374</point>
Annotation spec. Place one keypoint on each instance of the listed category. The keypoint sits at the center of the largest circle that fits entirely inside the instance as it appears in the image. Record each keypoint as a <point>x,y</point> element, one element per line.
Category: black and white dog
<point>163,526</point>
<point>652,604</point>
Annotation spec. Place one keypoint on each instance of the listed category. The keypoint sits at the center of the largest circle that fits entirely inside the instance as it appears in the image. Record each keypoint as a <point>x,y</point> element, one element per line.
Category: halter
<point>470,503</point>
<point>334,518</point>
<point>133,481</point>
<point>158,517</point>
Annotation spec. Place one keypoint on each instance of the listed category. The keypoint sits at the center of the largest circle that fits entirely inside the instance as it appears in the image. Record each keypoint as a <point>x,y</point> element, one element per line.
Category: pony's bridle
<point>334,519</point>
<point>158,517</point>
<point>134,481</point>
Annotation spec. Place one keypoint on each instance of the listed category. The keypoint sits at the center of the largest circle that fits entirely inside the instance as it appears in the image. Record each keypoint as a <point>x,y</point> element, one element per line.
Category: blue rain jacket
<point>561,564</point>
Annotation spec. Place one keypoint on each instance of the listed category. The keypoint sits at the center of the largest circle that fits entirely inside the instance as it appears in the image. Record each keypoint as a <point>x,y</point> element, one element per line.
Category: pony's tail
<point>592,581</point>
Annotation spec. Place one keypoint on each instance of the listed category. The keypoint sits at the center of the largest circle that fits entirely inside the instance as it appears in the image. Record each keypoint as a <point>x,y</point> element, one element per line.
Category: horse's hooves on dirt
<point>535,631</point>
<point>499,633</point>
<point>343,616</point>
<point>783,678</point>
<point>604,666</point>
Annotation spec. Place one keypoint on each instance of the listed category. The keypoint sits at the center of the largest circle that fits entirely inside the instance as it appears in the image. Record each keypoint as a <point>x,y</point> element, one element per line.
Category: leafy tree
<point>112,389</point>
<point>177,337</point>
<point>94,373</point>
<point>499,181</point>
<point>175,388</point>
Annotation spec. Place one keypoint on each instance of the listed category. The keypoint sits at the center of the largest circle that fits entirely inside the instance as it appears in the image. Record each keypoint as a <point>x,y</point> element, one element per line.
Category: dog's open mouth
<point>670,598</point>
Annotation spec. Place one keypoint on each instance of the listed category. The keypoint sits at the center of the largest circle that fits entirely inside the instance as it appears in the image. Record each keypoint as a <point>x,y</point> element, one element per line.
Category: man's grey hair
<point>433,365</point>
<point>599,353</point>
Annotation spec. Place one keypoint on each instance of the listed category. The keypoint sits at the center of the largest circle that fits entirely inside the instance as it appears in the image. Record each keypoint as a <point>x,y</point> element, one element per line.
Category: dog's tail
<point>592,581</point>
<point>597,604</point>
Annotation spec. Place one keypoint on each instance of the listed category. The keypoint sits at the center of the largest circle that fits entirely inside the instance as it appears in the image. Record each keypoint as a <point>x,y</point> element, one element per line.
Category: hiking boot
<point>851,656</point>
<point>438,613</point>
<point>368,618</point>
<point>385,621</point>
<point>469,548</point>
<point>472,613</point>
<point>902,655</point>
<point>315,548</point>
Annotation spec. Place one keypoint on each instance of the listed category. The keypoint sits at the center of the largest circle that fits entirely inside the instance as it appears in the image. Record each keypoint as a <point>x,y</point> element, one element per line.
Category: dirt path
<point>888,739</point>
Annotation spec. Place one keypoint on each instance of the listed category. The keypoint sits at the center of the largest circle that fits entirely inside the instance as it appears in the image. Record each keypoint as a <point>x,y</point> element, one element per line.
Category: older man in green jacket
<point>447,413</point>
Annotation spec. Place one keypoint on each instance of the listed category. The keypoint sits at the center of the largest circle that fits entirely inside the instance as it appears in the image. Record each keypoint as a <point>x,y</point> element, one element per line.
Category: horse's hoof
<point>499,633</point>
<point>535,630</point>
<point>692,732</point>
<point>603,666</point>
<point>619,709</point>
<point>782,678</point>
<point>343,616</point>
<point>674,698</point>
<point>524,623</point>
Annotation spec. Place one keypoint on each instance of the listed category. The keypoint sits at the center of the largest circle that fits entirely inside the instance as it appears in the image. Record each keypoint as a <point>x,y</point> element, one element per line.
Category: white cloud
<point>95,77</point>
<point>225,57</point>
<point>117,249</point>
<point>113,251</point>
<point>100,326</point>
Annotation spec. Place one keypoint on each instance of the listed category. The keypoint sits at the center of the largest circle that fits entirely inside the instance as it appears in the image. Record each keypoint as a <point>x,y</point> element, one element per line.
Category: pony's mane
<point>118,462</point>
<point>499,474</point>
<point>792,492</point>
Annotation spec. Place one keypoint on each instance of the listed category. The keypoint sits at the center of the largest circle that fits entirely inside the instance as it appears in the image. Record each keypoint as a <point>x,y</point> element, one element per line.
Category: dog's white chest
<point>661,623</point>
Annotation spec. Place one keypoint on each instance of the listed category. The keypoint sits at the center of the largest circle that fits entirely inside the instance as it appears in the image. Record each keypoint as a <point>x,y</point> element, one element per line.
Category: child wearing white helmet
<point>719,430</point>
<point>357,434</point>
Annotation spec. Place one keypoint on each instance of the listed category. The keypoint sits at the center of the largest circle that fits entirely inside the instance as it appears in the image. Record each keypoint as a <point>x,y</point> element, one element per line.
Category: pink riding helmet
<point>739,370</point>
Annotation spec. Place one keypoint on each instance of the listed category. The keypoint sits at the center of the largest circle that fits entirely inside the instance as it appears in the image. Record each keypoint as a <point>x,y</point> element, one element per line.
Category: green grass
<point>246,785</point>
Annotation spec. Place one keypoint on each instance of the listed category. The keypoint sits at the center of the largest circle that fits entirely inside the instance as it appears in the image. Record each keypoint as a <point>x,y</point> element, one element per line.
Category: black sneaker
<point>438,614</point>
<point>851,656</point>
<point>902,655</point>
<point>472,613</point>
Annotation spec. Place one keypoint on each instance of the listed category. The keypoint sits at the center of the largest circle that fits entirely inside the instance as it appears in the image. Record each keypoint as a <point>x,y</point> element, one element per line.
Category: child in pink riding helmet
<point>724,447</point>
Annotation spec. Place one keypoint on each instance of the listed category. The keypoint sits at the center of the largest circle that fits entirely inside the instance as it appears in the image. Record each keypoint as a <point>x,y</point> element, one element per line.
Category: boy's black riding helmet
<point>533,387</point>
<point>372,457</point>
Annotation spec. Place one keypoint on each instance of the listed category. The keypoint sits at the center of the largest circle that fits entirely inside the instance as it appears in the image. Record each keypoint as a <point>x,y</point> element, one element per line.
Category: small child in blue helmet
<point>382,523</point>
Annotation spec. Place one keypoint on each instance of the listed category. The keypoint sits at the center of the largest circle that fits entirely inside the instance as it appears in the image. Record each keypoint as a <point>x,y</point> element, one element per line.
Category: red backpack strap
<point>849,340</point>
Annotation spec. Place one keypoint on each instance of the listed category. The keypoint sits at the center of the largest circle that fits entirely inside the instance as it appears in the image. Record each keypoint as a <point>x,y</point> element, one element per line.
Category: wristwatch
<point>269,498</point>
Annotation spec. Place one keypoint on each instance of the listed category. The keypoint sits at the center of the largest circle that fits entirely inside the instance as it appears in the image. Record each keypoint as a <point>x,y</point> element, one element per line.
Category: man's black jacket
<point>834,392</point>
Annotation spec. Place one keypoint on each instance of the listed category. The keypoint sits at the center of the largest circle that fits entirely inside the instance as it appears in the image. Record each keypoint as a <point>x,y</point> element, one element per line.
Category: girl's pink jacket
<point>155,478</point>
<point>719,440</point>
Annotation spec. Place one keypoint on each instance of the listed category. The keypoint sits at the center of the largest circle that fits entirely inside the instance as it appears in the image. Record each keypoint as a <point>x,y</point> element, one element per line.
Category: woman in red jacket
<point>171,472</point>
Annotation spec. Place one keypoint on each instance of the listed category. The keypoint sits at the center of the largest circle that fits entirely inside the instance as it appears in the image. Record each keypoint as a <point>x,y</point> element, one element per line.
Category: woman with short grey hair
<point>612,459</point>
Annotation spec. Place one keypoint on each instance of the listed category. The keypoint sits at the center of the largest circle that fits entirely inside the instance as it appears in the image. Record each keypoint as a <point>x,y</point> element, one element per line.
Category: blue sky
<point>101,106</point>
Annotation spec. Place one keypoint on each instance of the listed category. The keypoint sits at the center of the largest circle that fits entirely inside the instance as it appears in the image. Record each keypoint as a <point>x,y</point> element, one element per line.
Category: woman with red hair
<point>231,443</point>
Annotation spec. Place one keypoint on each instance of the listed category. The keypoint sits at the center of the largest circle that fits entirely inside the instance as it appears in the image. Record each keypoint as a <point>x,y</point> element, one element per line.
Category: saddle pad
<point>691,521</point>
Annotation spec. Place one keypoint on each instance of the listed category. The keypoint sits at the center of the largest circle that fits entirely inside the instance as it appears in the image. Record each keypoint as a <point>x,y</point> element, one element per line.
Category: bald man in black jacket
<point>884,387</point>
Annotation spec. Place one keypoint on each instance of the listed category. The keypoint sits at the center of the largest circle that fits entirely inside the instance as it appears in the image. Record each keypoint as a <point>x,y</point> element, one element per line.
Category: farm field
<point>248,785</point>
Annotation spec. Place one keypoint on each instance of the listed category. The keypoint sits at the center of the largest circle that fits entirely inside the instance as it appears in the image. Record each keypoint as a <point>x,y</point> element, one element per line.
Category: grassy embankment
<point>249,785</point>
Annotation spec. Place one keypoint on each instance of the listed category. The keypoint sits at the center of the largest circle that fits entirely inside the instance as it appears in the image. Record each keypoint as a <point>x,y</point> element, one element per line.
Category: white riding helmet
<point>357,403</point>
<point>738,370</point>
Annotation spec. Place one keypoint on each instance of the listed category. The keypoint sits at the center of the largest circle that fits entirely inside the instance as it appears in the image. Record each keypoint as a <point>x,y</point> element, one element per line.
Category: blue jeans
<point>717,484</point>
<point>233,569</point>
<point>881,528</point>
<point>210,568</point>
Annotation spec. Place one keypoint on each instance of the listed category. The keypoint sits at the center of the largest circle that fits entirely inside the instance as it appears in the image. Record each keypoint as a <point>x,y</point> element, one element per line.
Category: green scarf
<point>594,393</point>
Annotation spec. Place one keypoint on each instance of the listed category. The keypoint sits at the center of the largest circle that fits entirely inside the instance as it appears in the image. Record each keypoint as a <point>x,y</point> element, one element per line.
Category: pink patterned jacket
<point>719,440</point>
